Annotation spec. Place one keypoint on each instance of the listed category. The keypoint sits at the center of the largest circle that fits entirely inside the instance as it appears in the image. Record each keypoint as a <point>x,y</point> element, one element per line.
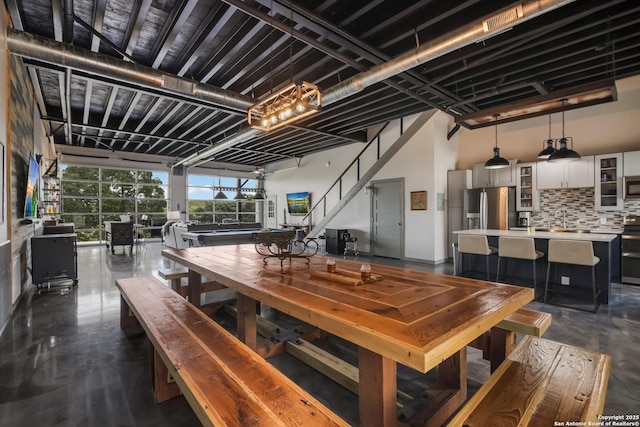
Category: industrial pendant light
<point>219,195</point>
<point>550,149</point>
<point>564,154</point>
<point>239,195</point>
<point>496,162</point>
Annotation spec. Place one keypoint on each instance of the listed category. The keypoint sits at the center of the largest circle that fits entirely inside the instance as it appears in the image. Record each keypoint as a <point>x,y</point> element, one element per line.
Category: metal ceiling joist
<point>325,49</point>
<point>468,34</point>
<point>347,41</point>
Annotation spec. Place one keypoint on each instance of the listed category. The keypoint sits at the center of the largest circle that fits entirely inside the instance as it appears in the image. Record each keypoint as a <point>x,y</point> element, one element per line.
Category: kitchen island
<point>606,246</point>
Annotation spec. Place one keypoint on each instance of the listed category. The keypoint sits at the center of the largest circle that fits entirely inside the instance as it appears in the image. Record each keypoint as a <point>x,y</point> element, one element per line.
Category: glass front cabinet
<point>608,189</point>
<point>526,192</point>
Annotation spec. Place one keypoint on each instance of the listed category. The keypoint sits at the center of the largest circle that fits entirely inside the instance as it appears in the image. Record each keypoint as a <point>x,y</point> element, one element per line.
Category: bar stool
<point>574,252</point>
<point>475,245</point>
<point>518,248</point>
<point>351,245</point>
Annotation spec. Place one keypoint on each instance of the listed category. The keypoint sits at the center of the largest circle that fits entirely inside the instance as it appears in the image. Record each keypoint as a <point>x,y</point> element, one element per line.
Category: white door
<point>387,219</point>
<point>270,212</point>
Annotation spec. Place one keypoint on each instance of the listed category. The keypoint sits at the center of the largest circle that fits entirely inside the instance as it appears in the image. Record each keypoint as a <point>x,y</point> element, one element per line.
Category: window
<point>91,196</point>
<point>202,206</point>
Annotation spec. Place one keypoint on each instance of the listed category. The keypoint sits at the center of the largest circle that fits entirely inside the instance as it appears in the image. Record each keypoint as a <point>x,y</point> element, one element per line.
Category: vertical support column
<point>247,328</point>
<point>378,389</point>
<point>195,287</point>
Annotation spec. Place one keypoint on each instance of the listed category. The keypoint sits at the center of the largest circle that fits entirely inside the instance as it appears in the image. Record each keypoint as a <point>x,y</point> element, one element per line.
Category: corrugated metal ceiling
<point>253,47</point>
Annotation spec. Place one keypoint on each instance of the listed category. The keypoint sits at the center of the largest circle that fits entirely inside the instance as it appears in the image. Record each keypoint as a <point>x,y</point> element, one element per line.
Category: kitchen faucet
<point>564,217</point>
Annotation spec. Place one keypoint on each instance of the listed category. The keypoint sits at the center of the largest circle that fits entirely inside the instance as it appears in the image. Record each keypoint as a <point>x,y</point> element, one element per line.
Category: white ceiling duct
<point>73,57</point>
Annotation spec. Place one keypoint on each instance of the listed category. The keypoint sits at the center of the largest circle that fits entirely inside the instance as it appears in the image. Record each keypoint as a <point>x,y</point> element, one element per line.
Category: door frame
<point>372,242</point>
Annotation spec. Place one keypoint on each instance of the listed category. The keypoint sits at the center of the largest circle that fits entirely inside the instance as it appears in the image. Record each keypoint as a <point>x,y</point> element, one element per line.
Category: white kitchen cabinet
<point>576,174</point>
<point>527,198</point>
<point>505,177</point>
<point>631,163</point>
<point>608,178</point>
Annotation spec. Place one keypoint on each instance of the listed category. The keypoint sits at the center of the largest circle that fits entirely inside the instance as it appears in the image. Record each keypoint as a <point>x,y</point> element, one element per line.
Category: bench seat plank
<point>527,321</point>
<point>540,382</point>
<point>223,380</point>
<point>173,273</point>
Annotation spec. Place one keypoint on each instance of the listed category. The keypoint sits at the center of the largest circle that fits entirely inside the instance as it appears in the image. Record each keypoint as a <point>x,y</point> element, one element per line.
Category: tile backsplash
<point>579,206</point>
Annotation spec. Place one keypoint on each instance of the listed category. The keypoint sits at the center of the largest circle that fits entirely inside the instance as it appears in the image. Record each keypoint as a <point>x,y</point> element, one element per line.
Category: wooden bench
<point>175,276</point>
<point>501,340</point>
<point>225,382</point>
<point>540,382</point>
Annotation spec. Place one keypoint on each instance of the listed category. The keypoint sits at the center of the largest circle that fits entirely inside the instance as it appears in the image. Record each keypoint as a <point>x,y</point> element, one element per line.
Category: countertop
<point>593,237</point>
<point>591,230</point>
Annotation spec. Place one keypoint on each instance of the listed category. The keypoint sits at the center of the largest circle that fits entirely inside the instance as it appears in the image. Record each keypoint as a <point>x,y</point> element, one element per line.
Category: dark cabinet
<point>119,234</point>
<point>335,240</point>
<point>61,228</point>
<point>54,257</point>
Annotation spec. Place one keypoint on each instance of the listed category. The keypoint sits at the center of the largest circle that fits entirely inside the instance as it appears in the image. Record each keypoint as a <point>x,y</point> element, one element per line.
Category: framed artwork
<point>418,200</point>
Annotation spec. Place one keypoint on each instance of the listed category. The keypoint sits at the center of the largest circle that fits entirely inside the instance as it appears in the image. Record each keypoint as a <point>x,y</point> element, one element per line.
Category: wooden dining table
<point>419,319</point>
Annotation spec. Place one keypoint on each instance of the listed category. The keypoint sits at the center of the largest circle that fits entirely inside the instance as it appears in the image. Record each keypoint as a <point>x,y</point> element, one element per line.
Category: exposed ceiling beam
<point>568,99</point>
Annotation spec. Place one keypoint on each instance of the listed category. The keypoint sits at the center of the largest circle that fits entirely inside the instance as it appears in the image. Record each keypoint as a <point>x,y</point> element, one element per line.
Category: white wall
<point>599,129</point>
<point>422,162</point>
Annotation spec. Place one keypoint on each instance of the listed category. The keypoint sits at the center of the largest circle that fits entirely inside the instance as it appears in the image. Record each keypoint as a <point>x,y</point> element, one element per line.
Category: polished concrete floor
<point>65,362</point>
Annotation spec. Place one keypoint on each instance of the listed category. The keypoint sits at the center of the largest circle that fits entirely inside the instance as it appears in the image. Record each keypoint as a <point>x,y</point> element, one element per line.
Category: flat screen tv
<point>298,203</point>
<point>31,197</point>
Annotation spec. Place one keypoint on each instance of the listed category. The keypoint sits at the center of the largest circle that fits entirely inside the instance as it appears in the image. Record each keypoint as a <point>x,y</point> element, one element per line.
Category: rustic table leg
<point>502,343</point>
<point>195,287</point>
<point>447,396</point>
<point>378,389</point>
<point>247,329</point>
<point>452,374</point>
<point>453,371</point>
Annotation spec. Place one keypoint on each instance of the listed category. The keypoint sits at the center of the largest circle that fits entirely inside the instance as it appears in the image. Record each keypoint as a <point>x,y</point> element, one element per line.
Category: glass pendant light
<point>544,154</point>
<point>496,162</point>
<point>564,154</point>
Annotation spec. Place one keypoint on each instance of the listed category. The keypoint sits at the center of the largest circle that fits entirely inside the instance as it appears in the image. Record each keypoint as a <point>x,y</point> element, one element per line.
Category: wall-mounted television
<point>298,203</point>
<point>31,196</point>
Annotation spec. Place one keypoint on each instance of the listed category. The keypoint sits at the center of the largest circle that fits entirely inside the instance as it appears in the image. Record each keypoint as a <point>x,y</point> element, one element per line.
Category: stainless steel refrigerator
<point>490,208</point>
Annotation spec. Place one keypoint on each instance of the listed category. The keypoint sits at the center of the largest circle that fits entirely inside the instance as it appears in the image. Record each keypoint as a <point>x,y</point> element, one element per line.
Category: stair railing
<point>338,182</point>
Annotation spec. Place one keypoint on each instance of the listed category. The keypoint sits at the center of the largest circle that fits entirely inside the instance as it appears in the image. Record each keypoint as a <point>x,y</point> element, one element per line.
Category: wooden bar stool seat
<point>518,248</point>
<point>475,245</point>
<point>576,252</point>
